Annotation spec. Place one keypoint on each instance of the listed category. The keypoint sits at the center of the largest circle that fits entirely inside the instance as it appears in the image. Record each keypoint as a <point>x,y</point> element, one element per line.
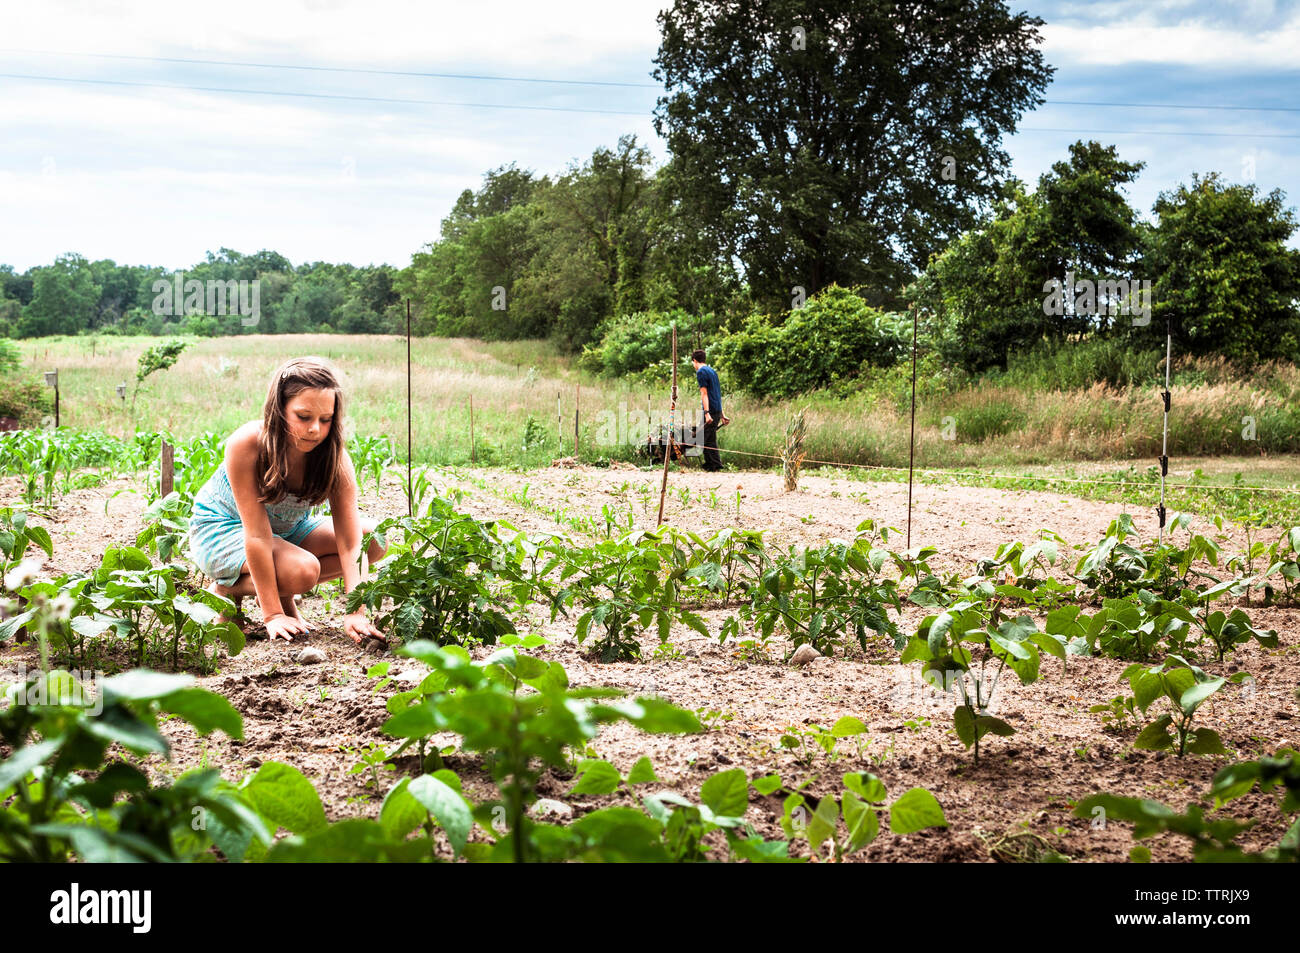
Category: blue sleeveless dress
<point>217,532</point>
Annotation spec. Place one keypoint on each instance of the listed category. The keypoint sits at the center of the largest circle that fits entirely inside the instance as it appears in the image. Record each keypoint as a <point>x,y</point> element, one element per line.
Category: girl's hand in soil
<point>358,627</point>
<point>284,625</point>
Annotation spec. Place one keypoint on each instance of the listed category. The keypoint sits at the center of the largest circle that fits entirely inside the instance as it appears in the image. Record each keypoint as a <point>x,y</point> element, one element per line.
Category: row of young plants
<point>52,462</point>
<point>127,609</point>
<point>64,794</point>
<point>464,577</point>
<point>458,575</point>
<point>457,580</point>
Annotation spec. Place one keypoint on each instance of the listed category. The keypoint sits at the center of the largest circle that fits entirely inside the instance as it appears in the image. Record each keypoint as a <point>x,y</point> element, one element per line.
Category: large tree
<point>983,296</point>
<point>65,298</point>
<point>1224,276</point>
<point>841,141</point>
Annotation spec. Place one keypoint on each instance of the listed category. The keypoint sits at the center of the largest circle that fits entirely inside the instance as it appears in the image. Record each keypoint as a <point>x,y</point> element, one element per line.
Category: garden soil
<point>1016,804</point>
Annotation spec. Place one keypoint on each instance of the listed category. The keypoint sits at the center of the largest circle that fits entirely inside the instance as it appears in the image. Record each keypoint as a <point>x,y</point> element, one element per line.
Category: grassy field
<point>517,387</point>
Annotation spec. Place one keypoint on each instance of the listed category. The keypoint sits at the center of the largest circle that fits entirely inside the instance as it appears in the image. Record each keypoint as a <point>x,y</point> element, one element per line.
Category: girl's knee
<point>300,574</point>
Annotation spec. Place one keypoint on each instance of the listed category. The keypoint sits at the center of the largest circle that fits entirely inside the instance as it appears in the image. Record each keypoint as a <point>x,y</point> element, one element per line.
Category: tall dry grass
<point>221,382</point>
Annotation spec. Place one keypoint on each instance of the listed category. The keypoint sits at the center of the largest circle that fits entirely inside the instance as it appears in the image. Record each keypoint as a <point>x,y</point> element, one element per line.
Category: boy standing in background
<point>711,399</point>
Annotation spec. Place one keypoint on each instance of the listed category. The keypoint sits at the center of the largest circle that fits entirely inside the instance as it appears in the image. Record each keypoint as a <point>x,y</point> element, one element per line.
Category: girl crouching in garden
<point>254,529</point>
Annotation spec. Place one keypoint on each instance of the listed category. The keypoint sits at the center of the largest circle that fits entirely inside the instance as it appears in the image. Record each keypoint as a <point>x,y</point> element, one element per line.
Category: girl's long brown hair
<point>323,471</point>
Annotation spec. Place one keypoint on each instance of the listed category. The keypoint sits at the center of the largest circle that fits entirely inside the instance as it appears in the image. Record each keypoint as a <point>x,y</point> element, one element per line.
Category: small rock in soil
<point>548,807</point>
<point>310,656</point>
<point>804,654</point>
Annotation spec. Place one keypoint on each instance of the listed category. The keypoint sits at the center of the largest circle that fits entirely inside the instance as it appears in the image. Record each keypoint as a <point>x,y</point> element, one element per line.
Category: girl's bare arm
<point>347,537</point>
<point>241,467</point>
<point>347,524</point>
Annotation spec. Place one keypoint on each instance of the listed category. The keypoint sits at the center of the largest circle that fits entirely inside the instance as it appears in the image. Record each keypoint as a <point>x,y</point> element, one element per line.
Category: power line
<point>338,69</point>
<point>1161,132</point>
<point>576,109</point>
<point>336,96</point>
<point>569,82</point>
<point>1269,109</point>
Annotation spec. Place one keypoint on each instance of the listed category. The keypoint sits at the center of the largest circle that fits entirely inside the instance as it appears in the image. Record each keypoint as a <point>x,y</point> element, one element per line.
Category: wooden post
<point>577,399</point>
<point>672,426</point>
<point>168,468</point>
<point>52,380</point>
<point>471,428</point>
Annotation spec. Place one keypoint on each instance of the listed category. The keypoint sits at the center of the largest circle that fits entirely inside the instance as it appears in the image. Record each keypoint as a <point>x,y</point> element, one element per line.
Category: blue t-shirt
<point>708,377</point>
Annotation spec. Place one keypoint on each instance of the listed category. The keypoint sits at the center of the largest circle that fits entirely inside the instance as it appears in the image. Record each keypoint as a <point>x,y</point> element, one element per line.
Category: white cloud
<point>396,34</point>
<point>1188,44</point>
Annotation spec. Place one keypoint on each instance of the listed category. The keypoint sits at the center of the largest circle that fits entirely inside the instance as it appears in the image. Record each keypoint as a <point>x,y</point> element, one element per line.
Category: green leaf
<point>355,840</point>
<point>415,722</point>
<point>447,807</point>
<point>1140,854</point>
<point>1193,696</point>
<point>22,761</point>
<point>119,725</point>
<point>230,635</point>
<point>141,684</point>
<point>597,777</point>
<point>964,724</point>
<point>823,822</point>
<point>282,795</point>
<point>40,536</point>
<point>767,784</point>
<point>1206,741</point>
<point>726,793</point>
<point>400,813</point>
<point>642,772</point>
<point>916,810</point>
<point>866,786</point>
<point>938,630</point>
<point>1146,689</point>
<point>1155,736</point>
<point>988,725</point>
<point>861,820</point>
<point>848,727</point>
<point>660,717</point>
<point>205,710</point>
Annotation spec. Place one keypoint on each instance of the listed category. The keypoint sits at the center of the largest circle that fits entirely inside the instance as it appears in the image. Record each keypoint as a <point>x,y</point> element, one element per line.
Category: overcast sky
<point>132,169</point>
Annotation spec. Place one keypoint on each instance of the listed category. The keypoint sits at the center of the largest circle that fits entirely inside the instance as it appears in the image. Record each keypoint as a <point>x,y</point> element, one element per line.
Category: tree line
<point>813,144</point>
<point>77,296</point>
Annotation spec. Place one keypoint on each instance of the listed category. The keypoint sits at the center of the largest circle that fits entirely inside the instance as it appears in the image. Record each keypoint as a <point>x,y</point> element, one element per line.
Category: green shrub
<point>1080,364</point>
<point>27,399</point>
<point>10,358</point>
<point>629,343</point>
<point>832,338</point>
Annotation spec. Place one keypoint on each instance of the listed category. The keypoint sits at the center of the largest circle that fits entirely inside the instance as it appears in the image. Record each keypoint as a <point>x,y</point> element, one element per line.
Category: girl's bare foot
<point>240,620</point>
